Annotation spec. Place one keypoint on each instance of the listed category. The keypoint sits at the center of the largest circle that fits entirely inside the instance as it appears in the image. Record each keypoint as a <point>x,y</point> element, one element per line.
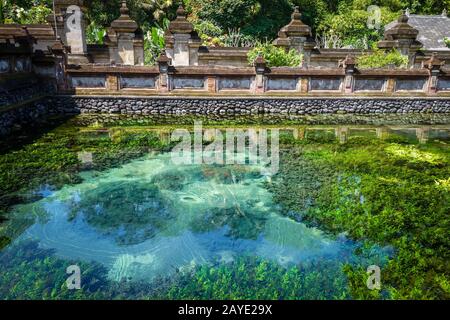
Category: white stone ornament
<point>74,30</point>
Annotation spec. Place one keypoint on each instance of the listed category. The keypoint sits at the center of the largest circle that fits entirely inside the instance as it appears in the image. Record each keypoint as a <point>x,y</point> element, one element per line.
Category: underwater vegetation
<point>43,276</point>
<point>130,212</point>
<point>388,192</point>
<point>374,201</point>
<point>53,159</point>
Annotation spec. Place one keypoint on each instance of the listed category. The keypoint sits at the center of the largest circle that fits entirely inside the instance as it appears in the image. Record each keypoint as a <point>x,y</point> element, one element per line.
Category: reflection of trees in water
<point>242,223</point>
<point>266,119</point>
<point>132,212</point>
<point>177,179</point>
<point>241,218</point>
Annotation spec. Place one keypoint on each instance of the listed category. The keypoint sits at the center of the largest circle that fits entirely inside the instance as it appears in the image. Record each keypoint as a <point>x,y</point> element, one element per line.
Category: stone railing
<point>259,80</point>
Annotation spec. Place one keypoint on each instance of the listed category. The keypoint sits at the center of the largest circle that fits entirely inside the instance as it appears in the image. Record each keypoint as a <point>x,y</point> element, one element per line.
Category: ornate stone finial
<point>181,24</point>
<point>434,63</point>
<point>260,64</point>
<point>296,15</point>
<point>163,58</point>
<point>260,60</point>
<point>124,9</point>
<point>348,62</point>
<point>407,12</point>
<point>404,17</point>
<point>400,30</point>
<point>181,12</point>
<point>444,12</point>
<point>124,23</point>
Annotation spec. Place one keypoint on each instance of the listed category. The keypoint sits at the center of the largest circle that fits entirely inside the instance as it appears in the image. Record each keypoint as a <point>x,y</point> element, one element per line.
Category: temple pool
<point>115,208</point>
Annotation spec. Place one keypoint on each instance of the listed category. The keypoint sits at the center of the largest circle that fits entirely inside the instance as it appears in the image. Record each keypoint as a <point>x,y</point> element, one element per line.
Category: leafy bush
<point>275,57</point>
<point>95,34</point>
<point>11,13</point>
<point>447,42</point>
<point>154,42</point>
<point>380,59</point>
<point>257,18</point>
<point>235,38</point>
<point>207,28</point>
<point>350,25</point>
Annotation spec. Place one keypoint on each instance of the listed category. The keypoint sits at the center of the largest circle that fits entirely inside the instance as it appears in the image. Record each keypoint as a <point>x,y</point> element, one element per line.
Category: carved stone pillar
<point>182,42</point>
<point>402,37</point>
<point>60,53</point>
<point>260,68</point>
<point>349,65</point>
<point>70,25</point>
<point>163,64</point>
<point>434,65</point>
<point>125,40</point>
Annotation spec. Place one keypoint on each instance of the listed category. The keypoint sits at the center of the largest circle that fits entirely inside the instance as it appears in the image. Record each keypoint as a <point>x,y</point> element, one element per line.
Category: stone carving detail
<point>188,83</point>
<point>443,84</point>
<point>75,30</point>
<point>369,84</point>
<point>320,84</point>
<point>410,84</point>
<point>235,83</point>
<point>22,65</point>
<point>4,65</point>
<point>137,82</point>
<point>282,83</point>
<point>88,82</point>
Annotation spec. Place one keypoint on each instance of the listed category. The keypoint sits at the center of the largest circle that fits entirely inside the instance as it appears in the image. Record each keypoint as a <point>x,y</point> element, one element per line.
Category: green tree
<point>275,57</point>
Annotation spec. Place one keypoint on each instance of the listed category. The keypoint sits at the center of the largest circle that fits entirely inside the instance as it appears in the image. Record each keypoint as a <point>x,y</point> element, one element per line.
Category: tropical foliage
<point>447,42</point>
<point>275,56</point>
<point>380,59</point>
<point>24,12</point>
<point>389,191</point>
<point>336,24</point>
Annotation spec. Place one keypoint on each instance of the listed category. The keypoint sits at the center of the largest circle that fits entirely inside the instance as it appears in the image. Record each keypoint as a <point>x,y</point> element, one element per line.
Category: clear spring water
<point>149,218</point>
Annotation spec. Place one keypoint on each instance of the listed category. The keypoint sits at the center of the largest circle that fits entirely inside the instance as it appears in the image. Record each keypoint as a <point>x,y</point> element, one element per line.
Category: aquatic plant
<point>253,278</point>
<point>381,59</point>
<point>129,211</point>
<point>387,193</point>
<point>377,191</point>
<point>43,276</point>
<point>53,159</point>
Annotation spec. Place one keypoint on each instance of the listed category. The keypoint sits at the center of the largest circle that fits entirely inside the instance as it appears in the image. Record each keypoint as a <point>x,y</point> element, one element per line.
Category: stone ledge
<point>234,105</point>
<point>247,97</point>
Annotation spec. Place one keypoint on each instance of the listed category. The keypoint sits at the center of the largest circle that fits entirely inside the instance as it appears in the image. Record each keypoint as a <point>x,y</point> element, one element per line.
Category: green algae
<point>382,192</point>
<point>43,277</point>
<point>388,192</point>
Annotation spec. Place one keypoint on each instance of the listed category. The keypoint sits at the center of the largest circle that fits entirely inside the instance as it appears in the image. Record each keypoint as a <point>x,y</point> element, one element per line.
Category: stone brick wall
<point>16,92</point>
<point>28,115</point>
<point>224,106</point>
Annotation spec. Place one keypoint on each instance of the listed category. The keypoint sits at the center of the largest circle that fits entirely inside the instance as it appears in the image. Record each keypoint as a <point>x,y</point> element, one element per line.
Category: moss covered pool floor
<point>105,195</point>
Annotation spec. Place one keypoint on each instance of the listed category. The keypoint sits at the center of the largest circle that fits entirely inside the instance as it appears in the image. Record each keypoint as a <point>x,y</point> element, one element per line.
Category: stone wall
<point>17,91</point>
<point>28,115</point>
<point>272,110</point>
<point>226,106</point>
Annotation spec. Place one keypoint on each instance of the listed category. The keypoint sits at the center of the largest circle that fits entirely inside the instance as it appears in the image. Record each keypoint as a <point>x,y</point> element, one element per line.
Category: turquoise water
<point>150,218</point>
<point>141,226</point>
